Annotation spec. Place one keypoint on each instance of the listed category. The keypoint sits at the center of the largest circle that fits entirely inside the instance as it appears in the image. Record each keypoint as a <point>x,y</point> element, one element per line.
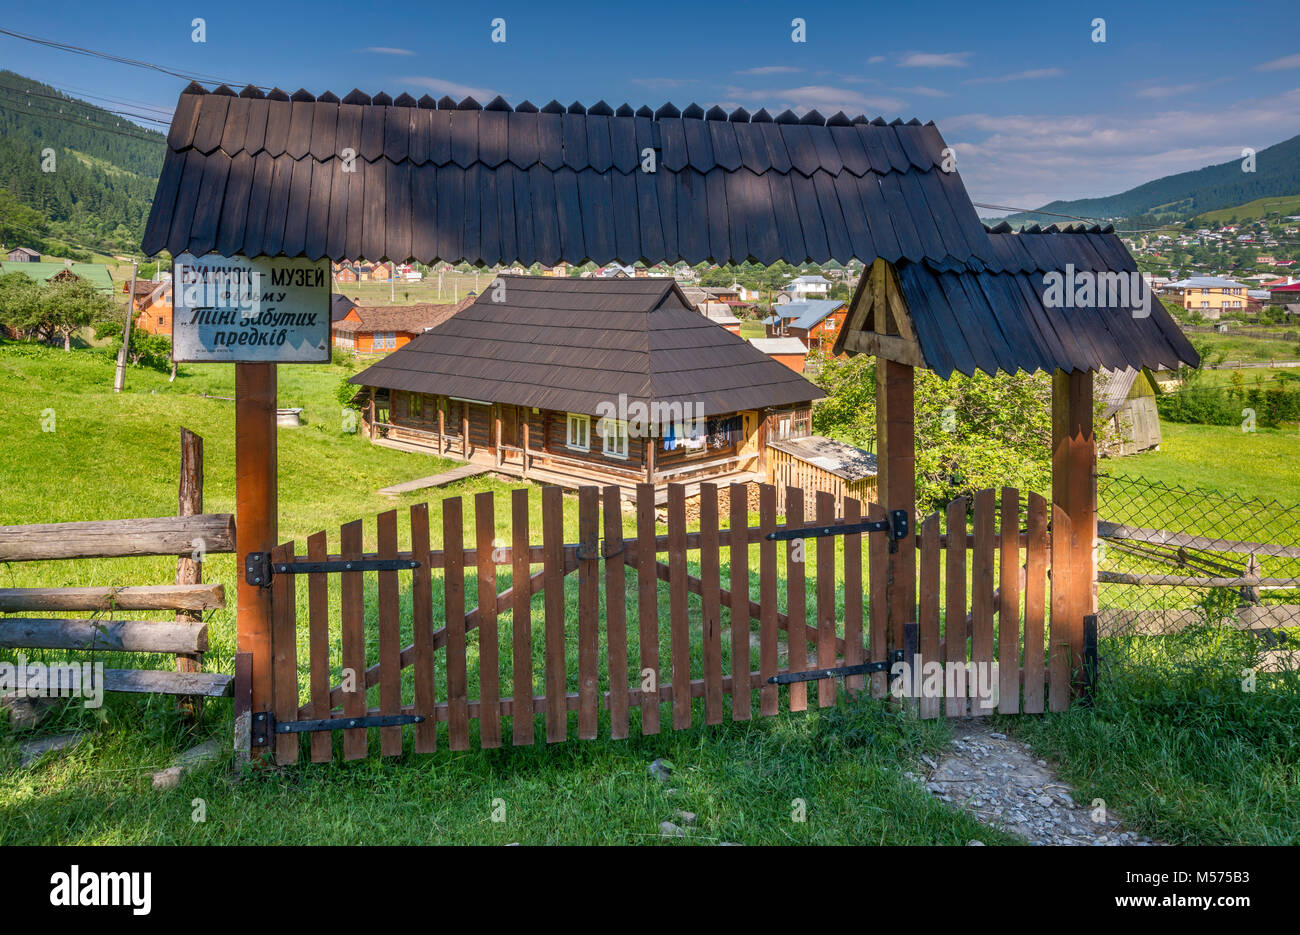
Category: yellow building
<point>1212,296</point>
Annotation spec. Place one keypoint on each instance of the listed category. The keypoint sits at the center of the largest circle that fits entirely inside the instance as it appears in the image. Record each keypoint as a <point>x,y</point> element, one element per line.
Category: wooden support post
<point>1074,493</point>
<point>496,426</point>
<point>256,526</point>
<point>442,431</point>
<point>896,464</point>
<point>525,430</point>
<point>372,431</point>
<point>650,459</point>
<point>464,433</point>
<point>189,568</point>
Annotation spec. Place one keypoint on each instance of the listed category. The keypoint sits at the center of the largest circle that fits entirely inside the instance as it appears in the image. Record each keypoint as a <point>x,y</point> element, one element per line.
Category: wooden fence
<point>605,648</point>
<point>188,535</point>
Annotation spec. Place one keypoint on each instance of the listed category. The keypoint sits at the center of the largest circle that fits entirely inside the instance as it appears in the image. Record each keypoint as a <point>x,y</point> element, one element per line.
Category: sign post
<point>256,313</point>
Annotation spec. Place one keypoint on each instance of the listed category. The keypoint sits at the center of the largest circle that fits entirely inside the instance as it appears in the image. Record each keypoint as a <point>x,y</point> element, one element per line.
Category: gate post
<point>256,525</point>
<point>1074,493</point>
<point>896,483</point>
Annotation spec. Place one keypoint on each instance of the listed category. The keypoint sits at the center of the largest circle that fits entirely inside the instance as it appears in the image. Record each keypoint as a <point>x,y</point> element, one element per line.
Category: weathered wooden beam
<point>189,568</point>
<point>117,538</point>
<point>887,346</point>
<point>158,682</point>
<point>1108,530</point>
<point>133,636</point>
<point>147,597</point>
<point>1183,581</point>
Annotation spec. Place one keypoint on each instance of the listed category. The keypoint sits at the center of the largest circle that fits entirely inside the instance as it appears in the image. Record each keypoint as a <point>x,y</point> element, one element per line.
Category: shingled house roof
<point>997,318</point>
<point>441,180</point>
<point>571,344</point>
<point>411,319</point>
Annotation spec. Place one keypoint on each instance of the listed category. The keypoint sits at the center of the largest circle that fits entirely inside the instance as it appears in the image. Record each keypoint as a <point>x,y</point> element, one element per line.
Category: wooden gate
<point>636,620</point>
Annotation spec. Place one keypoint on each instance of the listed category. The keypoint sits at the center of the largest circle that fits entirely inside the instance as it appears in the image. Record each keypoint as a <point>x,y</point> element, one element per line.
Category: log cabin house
<point>378,329</point>
<point>545,384</point>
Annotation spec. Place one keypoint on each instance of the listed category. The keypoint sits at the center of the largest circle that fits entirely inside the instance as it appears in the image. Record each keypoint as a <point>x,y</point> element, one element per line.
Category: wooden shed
<point>1128,401</point>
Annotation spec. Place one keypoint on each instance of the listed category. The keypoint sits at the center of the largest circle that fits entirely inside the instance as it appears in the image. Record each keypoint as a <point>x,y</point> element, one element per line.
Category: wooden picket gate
<point>601,649</point>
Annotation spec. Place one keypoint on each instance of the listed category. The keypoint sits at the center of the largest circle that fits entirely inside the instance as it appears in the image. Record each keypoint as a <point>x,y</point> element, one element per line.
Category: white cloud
<point>825,98</point>
<point>1278,64</point>
<point>875,60</point>
<point>935,60</point>
<point>923,91</point>
<point>451,88</point>
<point>770,70</point>
<point>1032,74</point>
<point>661,84</point>
<point>386,50</point>
<point>1029,159</point>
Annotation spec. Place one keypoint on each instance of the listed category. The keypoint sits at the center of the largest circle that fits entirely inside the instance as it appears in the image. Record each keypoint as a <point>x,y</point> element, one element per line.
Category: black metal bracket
<point>259,569</point>
<point>265,725</point>
<point>896,524</point>
<point>815,675</point>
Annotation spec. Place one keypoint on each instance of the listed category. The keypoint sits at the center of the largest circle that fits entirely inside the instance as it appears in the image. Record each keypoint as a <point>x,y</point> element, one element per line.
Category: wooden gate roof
<point>441,180</point>
<point>992,319</point>
<point>570,344</point>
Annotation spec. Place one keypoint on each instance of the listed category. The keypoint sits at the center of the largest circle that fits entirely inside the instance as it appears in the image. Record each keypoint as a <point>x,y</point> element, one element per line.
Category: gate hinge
<point>896,524</point>
<point>265,724</point>
<point>259,569</point>
<point>814,675</point>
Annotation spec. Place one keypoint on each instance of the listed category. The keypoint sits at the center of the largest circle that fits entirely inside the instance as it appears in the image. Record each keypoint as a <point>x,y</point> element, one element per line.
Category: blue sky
<point>1034,107</point>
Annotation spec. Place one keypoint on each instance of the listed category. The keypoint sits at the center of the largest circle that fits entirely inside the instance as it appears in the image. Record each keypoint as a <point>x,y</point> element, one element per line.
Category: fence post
<point>1074,492</point>
<point>189,570</point>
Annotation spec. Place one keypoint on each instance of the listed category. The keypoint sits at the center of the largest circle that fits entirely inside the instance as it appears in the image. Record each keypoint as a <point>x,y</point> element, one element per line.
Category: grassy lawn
<point>1237,347</point>
<point>1224,458</point>
<point>116,456</point>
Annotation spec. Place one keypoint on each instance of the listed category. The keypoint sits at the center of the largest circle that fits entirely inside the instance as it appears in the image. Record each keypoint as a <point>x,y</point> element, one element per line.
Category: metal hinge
<point>259,569</point>
<point>264,724</point>
<point>814,675</point>
<point>895,524</point>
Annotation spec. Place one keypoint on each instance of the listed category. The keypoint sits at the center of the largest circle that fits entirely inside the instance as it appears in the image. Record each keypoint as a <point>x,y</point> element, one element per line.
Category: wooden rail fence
<point>739,609</point>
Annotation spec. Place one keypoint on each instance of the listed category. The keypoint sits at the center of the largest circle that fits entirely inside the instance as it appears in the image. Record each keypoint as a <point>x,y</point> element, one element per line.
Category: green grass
<point>116,456</point>
<point>1253,210</point>
<point>1177,747</point>
<point>1224,458</point>
<point>1239,348</point>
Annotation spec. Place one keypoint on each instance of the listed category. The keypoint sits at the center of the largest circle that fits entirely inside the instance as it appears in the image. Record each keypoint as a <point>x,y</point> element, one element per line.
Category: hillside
<point>1253,210</point>
<point>106,169</point>
<point>1177,197</point>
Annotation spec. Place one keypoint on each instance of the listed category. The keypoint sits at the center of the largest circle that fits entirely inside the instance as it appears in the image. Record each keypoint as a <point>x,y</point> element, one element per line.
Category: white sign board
<point>263,310</point>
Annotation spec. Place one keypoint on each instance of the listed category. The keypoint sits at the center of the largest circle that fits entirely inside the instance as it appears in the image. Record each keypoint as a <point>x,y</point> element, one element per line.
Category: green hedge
<point>1225,405</point>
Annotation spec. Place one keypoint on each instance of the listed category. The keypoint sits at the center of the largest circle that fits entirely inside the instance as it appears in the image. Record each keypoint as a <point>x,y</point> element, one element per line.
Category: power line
<point>79,123</point>
<point>108,56</point>
<point>94,109</point>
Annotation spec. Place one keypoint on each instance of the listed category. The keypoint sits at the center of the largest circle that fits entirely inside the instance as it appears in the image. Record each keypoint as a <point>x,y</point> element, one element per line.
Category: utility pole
<point>119,379</point>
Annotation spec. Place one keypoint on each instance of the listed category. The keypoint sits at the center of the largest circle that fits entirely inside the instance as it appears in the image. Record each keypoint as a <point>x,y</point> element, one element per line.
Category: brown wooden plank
<point>982,598</point>
<point>1009,604</point>
<point>588,612</point>
<point>853,648</point>
<point>284,655</point>
<point>878,571</point>
<point>647,585</point>
<point>738,557</point>
<point>678,610</point>
<point>1058,687</point>
<point>521,624</point>
<point>318,650</point>
<point>426,732</point>
<point>1035,601</point>
<point>955,631</point>
<point>144,597</point>
<point>390,638</point>
<point>710,604</point>
<point>489,668</point>
<point>353,619</point>
<point>162,535</point>
<point>928,616</point>
<point>768,697</point>
<point>796,598</point>
<point>825,599</point>
<point>453,597</point>
<point>553,545</point>
<point>616,612</point>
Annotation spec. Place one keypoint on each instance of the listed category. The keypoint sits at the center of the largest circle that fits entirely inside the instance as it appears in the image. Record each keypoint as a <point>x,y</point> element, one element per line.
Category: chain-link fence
<point>1196,577</point>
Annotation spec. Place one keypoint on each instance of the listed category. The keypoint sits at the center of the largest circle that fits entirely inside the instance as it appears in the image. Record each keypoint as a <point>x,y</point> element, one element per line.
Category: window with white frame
<point>385,340</point>
<point>578,436</point>
<point>614,438</point>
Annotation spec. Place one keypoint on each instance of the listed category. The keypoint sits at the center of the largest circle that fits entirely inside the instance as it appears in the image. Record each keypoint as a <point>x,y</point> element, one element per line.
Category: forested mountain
<point>105,169</point>
<point>1181,196</point>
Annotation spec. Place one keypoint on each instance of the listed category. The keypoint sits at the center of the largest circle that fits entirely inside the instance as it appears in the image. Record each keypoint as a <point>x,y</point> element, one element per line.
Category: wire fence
<point>1190,575</point>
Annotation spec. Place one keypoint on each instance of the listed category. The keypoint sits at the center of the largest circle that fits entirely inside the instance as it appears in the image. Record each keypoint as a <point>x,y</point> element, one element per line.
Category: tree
<point>19,300</point>
<point>971,432</point>
<point>67,304</point>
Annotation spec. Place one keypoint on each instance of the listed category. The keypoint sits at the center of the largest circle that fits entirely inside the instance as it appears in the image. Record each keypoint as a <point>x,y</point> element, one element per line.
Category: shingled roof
<point>571,344</point>
<point>411,319</point>
<point>442,180</point>
<point>996,318</point>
